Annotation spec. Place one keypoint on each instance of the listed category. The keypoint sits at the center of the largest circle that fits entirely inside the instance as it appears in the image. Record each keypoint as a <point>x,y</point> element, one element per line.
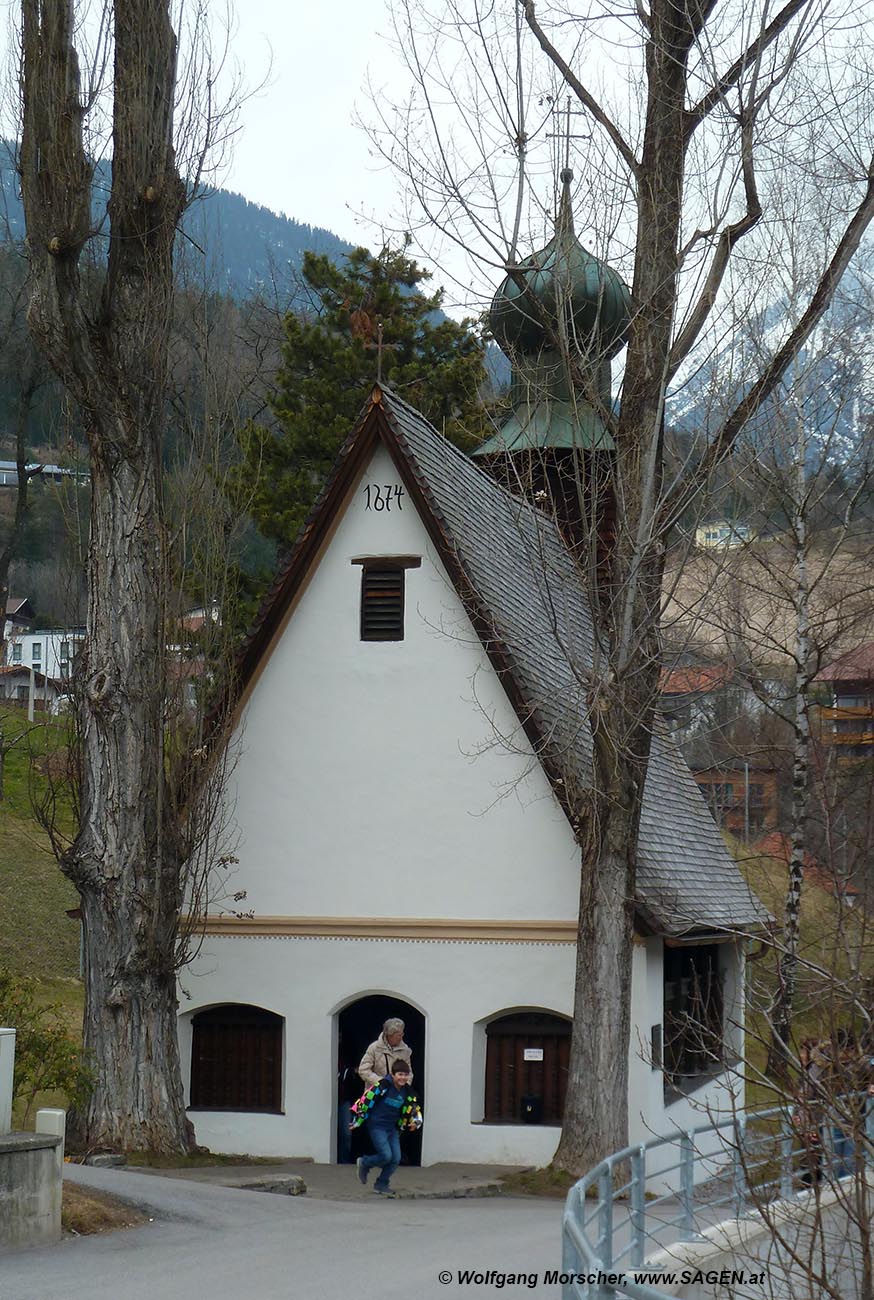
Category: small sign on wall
<point>532,1054</point>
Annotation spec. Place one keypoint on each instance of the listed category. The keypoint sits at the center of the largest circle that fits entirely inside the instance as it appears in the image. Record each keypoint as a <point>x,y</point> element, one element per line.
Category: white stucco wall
<point>458,987</point>
<point>308,981</point>
<point>371,778</point>
<point>715,1100</point>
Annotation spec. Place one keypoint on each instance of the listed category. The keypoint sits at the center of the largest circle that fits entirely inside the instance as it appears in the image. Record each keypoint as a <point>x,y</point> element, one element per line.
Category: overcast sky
<point>298,151</point>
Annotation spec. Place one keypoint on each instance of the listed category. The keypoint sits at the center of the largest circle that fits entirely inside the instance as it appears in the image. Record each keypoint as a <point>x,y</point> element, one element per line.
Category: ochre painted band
<point>393,927</point>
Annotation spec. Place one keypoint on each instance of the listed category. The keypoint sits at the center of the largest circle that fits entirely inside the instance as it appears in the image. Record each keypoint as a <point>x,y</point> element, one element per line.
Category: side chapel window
<point>236,1059</point>
<point>693,1023</point>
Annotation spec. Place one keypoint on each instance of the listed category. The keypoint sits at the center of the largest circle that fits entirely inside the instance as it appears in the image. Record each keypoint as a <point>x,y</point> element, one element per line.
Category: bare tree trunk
<point>779,1052</point>
<point>123,862</point>
<point>114,363</point>
<point>628,608</point>
<point>594,1124</point>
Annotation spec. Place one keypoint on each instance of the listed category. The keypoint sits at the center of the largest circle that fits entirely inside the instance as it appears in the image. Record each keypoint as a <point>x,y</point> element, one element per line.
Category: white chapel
<point>402,835</point>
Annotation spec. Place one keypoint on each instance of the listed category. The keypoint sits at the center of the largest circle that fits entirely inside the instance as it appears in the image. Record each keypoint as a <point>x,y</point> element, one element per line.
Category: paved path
<point>340,1183</point>
<point>219,1243</point>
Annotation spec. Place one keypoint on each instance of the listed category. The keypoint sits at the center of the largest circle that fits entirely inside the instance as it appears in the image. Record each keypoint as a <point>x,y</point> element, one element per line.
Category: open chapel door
<point>358,1024</point>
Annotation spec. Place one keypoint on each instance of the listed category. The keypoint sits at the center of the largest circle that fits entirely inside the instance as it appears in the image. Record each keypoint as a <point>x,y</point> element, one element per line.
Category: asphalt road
<point>216,1243</point>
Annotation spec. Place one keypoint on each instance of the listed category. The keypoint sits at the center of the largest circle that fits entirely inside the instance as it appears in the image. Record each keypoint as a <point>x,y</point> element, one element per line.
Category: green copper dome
<point>598,302</point>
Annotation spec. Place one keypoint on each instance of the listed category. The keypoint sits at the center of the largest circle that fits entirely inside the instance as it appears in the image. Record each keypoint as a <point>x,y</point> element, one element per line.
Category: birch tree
<point>705,106</point>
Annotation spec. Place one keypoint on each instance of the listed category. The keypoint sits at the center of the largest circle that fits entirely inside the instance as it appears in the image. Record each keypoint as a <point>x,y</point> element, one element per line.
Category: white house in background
<point>15,685</point>
<point>724,533</point>
<point>46,650</point>
<point>411,708</point>
<point>41,472</point>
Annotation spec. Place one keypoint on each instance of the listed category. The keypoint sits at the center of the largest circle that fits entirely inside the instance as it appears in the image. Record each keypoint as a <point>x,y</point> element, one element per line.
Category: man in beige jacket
<point>390,1046</point>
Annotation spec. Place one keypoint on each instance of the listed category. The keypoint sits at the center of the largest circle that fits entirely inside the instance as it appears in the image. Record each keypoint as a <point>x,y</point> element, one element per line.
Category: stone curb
<point>290,1185</point>
<point>453,1194</point>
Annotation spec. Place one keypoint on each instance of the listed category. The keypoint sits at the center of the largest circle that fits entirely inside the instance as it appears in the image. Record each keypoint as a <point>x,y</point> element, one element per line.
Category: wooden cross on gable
<point>363,326</point>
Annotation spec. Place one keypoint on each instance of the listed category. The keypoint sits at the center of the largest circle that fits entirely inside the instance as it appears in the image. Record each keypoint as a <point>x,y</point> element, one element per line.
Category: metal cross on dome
<point>566,134</point>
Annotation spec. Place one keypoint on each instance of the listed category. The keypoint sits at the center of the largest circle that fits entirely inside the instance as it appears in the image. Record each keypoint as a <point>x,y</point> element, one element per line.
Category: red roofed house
<point>688,692</point>
<point>15,685</point>
<point>19,616</point>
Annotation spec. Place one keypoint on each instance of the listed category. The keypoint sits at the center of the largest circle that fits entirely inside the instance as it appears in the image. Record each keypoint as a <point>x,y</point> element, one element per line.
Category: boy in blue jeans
<point>386,1108</point>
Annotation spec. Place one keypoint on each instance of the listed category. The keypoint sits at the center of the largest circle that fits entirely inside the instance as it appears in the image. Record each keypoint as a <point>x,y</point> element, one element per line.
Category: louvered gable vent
<point>382,604</point>
<point>382,597</point>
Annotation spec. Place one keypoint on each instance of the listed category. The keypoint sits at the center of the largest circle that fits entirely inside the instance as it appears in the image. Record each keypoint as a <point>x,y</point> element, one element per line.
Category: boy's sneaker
<point>362,1171</point>
<point>385,1191</point>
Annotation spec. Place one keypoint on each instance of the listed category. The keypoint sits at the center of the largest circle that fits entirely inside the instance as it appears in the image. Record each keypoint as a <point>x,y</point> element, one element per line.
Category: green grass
<point>42,749</point>
<point>836,951</point>
<point>200,1160</point>
<point>37,938</point>
<point>547,1182</point>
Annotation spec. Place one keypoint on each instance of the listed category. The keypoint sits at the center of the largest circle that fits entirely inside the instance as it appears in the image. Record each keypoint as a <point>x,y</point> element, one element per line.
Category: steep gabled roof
<point>40,679</point>
<point>19,607</point>
<point>523,594</point>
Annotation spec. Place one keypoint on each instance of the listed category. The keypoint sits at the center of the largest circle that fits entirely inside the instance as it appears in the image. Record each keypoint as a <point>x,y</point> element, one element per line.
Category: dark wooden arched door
<point>527,1055</point>
<point>236,1059</point>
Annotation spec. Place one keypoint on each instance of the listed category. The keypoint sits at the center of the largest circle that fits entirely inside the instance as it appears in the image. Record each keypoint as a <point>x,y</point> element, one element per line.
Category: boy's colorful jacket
<point>409,1118</point>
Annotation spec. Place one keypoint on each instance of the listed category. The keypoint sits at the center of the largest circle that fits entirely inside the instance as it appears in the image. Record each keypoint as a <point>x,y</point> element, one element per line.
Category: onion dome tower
<point>560,318</point>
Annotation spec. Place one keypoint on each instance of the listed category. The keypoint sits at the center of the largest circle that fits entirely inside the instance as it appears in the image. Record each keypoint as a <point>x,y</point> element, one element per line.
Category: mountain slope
<point>230,245</point>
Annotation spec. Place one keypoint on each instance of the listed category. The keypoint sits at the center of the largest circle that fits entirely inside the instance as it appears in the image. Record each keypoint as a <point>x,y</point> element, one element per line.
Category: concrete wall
<point>30,1190</point>
<point>7,1067</point>
<point>770,1258</point>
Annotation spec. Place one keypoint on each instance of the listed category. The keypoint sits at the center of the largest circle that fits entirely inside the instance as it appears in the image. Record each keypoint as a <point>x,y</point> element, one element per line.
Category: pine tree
<point>330,360</point>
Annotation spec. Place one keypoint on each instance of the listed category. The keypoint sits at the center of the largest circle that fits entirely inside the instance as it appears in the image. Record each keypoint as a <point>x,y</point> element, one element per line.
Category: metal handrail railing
<point>759,1154</point>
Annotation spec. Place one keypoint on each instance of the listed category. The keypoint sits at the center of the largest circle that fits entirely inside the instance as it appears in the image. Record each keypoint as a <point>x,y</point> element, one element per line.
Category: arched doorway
<point>358,1024</point>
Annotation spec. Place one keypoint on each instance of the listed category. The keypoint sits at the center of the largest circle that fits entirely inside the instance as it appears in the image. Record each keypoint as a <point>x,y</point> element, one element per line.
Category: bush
<point>46,1057</point>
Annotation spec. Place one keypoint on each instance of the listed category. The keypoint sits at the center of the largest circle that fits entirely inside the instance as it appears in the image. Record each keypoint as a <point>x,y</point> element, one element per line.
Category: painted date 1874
<point>381,496</point>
